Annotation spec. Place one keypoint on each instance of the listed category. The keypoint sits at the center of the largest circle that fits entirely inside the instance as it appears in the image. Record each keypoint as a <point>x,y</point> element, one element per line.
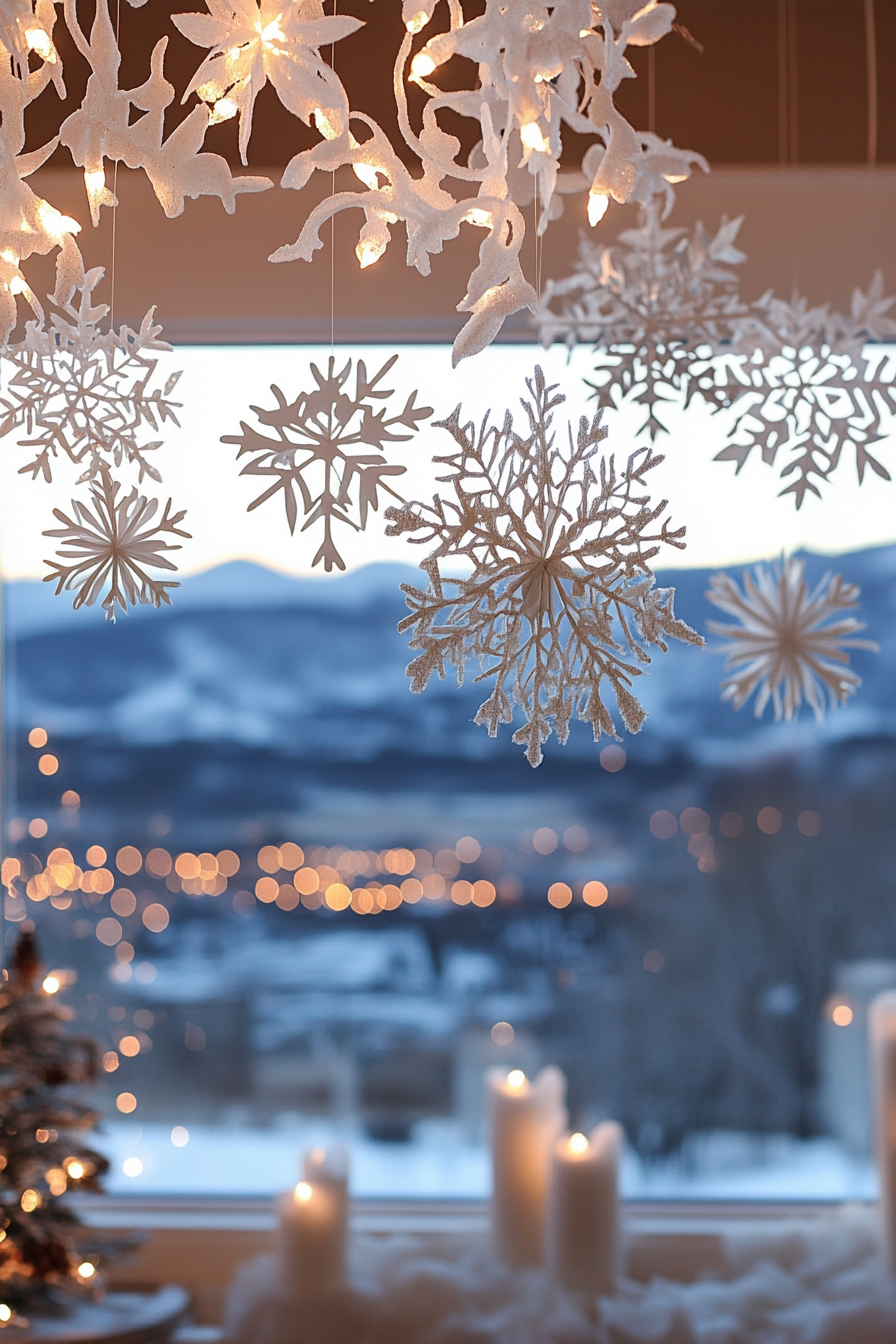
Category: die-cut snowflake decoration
<point>326,451</point>
<point>560,605</point>
<point>789,645</point>
<point>652,304</point>
<point>82,393</point>
<point>805,386</point>
<point>111,549</point>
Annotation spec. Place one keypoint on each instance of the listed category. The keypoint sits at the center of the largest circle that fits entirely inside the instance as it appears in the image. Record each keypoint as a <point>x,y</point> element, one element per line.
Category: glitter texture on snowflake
<point>326,451</point>
<point>539,70</point>
<point>82,393</point>
<point>560,605</point>
<point>806,385</point>
<point>652,304</point>
<point>789,645</point>
<point>108,124</point>
<point>109,550</point>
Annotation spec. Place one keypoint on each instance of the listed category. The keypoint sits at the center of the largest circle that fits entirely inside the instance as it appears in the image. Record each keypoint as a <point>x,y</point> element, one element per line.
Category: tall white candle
<point>582,1242</point>
<point>526,1118</point>
<point>882,1047</point>
<point>313,1224</point>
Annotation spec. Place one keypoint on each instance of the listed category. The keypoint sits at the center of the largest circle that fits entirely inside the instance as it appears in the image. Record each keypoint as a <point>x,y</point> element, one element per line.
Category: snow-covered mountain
<point>313,668</point>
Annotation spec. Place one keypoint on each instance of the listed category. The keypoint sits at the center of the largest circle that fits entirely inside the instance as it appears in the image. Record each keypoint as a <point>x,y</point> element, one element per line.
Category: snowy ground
<point>221,1161</point>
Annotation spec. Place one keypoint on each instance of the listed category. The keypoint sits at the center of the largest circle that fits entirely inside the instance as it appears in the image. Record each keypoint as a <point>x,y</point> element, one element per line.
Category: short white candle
<point>882,1047</point>
<point>582,1246</point>
<point>312,1227</point>
<point>526,1119</point>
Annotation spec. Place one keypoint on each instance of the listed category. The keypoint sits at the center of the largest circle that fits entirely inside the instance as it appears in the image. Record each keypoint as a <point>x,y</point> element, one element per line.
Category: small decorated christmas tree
<point>44,1249</point>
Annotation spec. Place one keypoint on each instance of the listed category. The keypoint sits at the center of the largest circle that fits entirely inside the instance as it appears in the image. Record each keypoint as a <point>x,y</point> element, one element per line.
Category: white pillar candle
<point>526,1118</point>
<point>312,1226</point>
<point>582,1244</point>
<point>882,1047</point>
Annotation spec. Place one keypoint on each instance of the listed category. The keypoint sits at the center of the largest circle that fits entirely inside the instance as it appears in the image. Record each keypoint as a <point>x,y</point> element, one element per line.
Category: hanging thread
<point>332,218</point>
<point>651,89</point>
<point>115,194</point>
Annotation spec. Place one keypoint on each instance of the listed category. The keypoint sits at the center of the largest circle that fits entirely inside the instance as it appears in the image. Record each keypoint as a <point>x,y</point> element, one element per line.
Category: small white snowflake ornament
<point>788,645</point>
<point>325,451</point>
<point>83,393</point>
<point>108,549</point>
<point>560,607</point>
<point>655,305</point>
<point>806,385</point>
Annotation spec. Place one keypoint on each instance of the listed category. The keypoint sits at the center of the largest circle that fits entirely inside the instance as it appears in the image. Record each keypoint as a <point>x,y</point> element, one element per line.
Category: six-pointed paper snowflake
<point>805,385</point>
<point>111,549</point>
<point>326,451</point>
<point>652,304</point>
<point>560,606</point>
<point>789,645</point>
<point>83,394</point>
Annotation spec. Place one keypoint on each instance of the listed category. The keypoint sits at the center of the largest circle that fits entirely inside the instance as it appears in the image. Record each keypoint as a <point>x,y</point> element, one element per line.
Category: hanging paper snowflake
<point>319,453</point>
<point>805,385</point>
<point>652,305</point>
<point>789,645</point>
<point>560,605</point>
<point>83,393</point>
<point>109,551</point>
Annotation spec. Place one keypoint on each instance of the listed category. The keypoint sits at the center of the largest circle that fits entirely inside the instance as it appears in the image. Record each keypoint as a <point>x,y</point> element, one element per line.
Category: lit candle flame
<point>578,1144</point>
<point>516,1079</point>
<point>302,1192</point>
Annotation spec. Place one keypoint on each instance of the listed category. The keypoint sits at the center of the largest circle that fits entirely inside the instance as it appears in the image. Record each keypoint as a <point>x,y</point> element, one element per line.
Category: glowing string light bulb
<point>55,223</point>
<point>367,174</point>
<point>39,41</point>
<point>422,66</point>
<point>223,110</point>
<point>532,138</point>
<point>369,250</point>
<point>597,206</point>
<point>417,22</point>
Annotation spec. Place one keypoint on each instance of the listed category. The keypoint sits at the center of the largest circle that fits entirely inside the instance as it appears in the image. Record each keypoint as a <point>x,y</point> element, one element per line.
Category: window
<point>295,901</point>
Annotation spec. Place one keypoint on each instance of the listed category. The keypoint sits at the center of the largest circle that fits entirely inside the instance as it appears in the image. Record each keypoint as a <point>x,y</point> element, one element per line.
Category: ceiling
<point>776,80</point>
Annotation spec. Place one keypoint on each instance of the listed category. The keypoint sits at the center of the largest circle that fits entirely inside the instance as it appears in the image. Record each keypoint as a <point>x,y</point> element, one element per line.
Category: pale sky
<point>730,520</point>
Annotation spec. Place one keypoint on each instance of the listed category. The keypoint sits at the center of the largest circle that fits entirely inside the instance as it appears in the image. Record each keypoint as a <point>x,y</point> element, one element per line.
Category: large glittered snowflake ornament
<point>806,385</point>
<point>560,605</point>
<point>325,451</point>
<point>108,551</point>
<point>789,645</point>
<point>652,305</point>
